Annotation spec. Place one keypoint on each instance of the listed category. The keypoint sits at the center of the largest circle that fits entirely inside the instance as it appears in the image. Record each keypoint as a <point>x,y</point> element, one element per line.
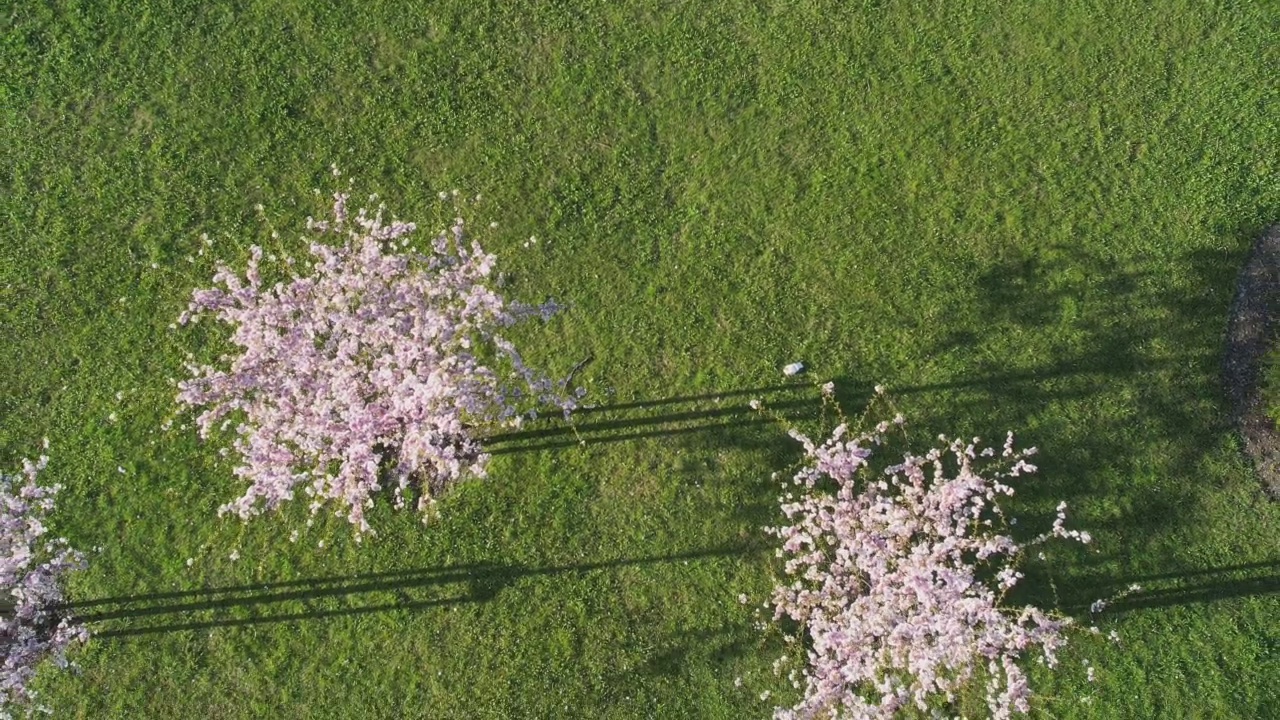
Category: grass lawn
<point>1016,215</point>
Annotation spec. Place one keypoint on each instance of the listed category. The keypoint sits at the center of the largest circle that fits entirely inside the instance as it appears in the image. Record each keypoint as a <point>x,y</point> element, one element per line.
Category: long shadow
<point>760,392</point>
<point>1001,382</point>
<point>285,617</point>
<point>678,415</point>
<point>1205,593</point>
<point>470,583</point>
<point>560,444</point>
<point>1204,585</point>
<point>698,428</point>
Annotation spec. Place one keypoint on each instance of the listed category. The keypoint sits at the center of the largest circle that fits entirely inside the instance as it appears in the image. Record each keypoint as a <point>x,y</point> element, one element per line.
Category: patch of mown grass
<point>1016,216</point>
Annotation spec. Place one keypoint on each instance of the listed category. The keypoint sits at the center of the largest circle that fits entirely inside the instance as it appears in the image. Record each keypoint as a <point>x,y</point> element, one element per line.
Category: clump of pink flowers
<point>896,578</point>
<point>32,569</point>
<point>376,368</point>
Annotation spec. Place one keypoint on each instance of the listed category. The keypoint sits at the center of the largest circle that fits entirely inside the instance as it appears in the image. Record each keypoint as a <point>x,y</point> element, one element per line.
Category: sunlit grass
<point>1017,217</point>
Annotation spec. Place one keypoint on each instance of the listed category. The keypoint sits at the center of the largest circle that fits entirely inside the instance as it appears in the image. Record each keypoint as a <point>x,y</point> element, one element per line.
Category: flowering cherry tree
<point>384,356</point>
<point>32,568</point>
<point>895,578</point>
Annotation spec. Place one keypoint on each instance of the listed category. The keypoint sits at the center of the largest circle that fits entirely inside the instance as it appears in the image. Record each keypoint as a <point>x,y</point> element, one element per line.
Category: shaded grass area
<point>1017,217</point>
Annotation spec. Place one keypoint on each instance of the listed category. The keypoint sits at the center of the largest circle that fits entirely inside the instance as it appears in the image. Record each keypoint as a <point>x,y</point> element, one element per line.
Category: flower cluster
<point>384,356</point>
<point>896,579</point>
<point>32,628</point>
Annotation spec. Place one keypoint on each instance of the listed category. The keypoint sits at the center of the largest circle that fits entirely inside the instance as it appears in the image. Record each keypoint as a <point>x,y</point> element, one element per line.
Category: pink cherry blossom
<point>896,577</point>
<point>379,368</point>
<point>33,628</point>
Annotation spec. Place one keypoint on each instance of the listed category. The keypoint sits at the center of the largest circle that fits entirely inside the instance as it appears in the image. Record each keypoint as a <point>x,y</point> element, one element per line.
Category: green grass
<point>1016,215</point>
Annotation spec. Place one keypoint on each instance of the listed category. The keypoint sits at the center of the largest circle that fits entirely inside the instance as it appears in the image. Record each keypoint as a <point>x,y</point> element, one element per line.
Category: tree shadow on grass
<point>1169,589</point>
<point>1115,373</point>
<point>696,430</point>
<point>1125,402</point>
<point>666,417</point>
<point>325,597</point>
<point>701,647</point>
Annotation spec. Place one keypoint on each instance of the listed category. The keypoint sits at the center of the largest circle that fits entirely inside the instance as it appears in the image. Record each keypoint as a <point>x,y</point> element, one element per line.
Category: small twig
<point>581,364</point>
